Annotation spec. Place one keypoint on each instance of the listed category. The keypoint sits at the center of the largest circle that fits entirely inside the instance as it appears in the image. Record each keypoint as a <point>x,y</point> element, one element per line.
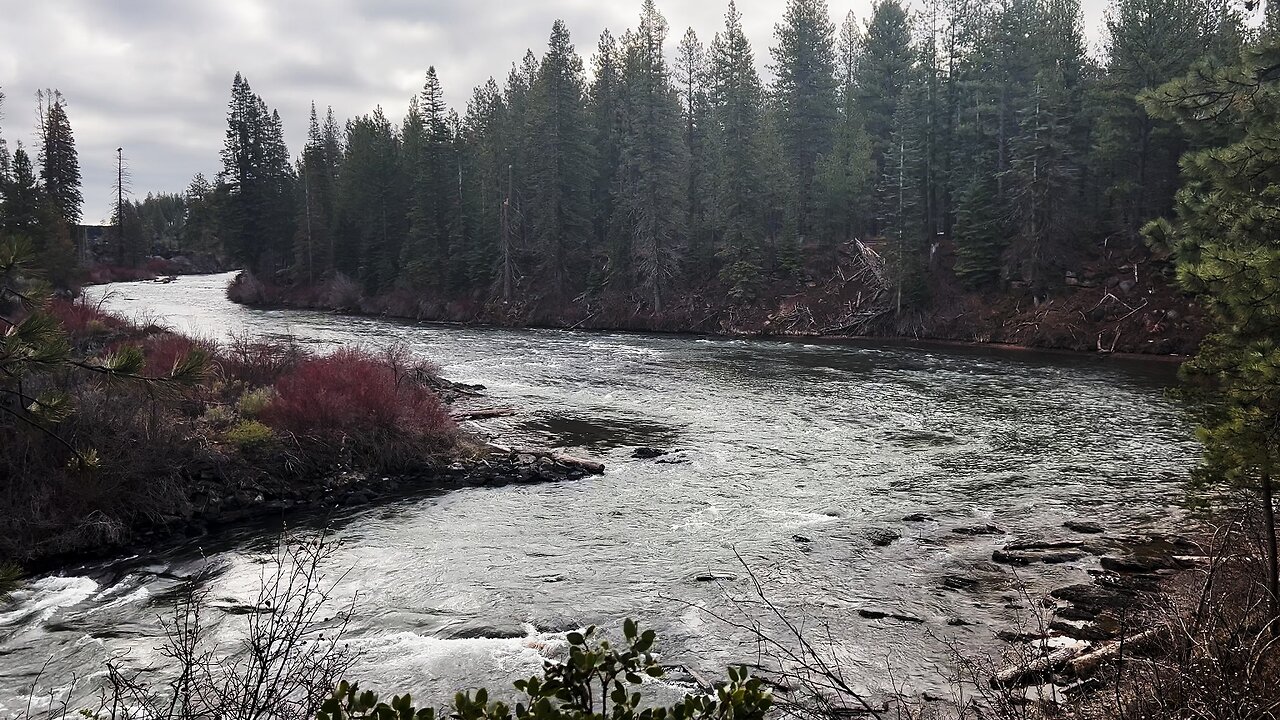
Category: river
<point>770,440</point>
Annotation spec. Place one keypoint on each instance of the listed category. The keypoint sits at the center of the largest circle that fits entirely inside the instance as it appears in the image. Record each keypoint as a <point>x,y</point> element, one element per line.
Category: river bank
<point>766,440</point>
<point>164,435</point>
<point>1123,302</point>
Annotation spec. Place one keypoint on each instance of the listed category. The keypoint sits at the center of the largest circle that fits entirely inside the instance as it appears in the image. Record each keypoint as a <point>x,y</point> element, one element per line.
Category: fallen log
<point>588,466</point>
<point>483,414</point>
<point>1028,672</point>
<point>1088,663</point>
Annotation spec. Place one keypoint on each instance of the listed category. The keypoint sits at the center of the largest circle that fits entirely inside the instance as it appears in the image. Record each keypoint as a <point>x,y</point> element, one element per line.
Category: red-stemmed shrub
<point>365,402</point>
<point>81,320</point>
<point>259,362</point>
<point>164,350</point>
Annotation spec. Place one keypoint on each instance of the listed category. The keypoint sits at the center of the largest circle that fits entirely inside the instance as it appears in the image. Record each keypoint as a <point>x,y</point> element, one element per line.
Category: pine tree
<point>737,197</point>
<point>845,174</point>
<point>691,76</point>
<point>1224,239</point>
<point>881,72</point>
<point>651,188</point>
<point>1042,181</point>
<point>560,165</point>
<point>317,173</point>
<point>485,177</point>
<point>255,185</point>
<point>199,229</point>
<point>1149,42</point>
<point>6,160</point>
<point>901,199</point>
<point>373,205</point>
<point>23,196</point>
<point>605,107</point>
<point>425,258</point>
<point>59,164</point>
<point>805,93</point>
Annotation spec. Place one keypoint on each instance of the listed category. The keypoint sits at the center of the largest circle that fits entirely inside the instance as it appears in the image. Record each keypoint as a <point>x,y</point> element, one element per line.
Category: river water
<point>770,440</point>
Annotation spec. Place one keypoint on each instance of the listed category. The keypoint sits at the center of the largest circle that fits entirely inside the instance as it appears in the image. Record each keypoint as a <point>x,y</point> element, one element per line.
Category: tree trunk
<point>1273,564</point>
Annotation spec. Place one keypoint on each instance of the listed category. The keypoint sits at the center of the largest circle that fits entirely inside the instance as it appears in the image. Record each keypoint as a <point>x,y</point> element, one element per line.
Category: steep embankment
<point>1121,299</point>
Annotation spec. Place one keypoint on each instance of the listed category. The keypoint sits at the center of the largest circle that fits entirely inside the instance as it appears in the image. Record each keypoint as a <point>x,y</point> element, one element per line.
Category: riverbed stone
<point>1137,565</point>
<point>1093,597</point>
<point>881,537</point>
<point>971,530</point>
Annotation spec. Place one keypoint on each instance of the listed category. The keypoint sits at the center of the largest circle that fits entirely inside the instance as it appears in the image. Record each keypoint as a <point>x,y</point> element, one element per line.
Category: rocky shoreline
<point>218,503</point>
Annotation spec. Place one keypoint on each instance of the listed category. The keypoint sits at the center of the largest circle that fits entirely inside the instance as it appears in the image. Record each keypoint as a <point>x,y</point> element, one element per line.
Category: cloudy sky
<point>154,76</point>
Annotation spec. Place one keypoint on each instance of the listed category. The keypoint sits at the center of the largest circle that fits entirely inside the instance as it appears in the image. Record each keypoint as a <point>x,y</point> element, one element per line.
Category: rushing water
<point>771,440</point>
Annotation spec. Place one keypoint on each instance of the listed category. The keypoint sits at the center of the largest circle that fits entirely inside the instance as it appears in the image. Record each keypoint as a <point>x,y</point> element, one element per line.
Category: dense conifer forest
<point>973,146</point>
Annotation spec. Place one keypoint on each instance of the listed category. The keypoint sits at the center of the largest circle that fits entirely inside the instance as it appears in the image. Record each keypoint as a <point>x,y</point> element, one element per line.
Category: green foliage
<point>1223,237</point>
<point>597,682</point>
<point>560,164</point>
<point>984,125</point>
<point>249,435</point>
<point>805,94</point>
<point>59,165</point>
<point>256,213</point>
<point>1224,241</point>
<point>253,401</point>
<point>219,416</point>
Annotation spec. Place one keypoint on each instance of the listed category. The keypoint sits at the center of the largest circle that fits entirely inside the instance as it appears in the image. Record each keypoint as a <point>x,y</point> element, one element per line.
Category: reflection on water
<point>774,439</point>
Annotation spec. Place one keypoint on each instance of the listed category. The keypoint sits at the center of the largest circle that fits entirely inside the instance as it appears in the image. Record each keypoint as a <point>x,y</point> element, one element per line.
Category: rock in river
<point>987,529</point>
<point>880,537</point>
<point>1083,526</point>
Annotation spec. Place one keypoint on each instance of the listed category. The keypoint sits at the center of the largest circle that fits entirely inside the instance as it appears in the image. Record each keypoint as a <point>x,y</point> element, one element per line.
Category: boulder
<point>1093,597</point>
<point>881,537</point>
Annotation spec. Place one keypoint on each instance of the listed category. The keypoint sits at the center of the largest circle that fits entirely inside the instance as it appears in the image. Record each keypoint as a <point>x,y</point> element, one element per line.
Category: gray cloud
<point>153,76</point>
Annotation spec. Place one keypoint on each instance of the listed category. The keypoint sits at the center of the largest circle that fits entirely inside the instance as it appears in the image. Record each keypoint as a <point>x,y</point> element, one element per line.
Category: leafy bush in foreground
<point>594,683</point>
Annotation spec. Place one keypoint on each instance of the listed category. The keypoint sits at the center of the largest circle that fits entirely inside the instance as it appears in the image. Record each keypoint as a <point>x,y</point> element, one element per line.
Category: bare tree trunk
<point>1273,563</point>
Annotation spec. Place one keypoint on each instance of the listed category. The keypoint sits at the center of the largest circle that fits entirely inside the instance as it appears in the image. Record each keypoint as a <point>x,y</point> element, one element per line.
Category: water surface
<point>770,440</point>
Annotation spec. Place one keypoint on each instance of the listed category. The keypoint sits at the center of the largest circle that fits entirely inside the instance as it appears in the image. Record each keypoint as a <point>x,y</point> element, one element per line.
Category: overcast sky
<point>154,76</point>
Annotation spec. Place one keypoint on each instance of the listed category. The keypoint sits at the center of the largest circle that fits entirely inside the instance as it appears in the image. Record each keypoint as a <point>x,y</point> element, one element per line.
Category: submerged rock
<point>648,453</point>
<point>978,530</point>
<point>917,517</point>
<point>881,537</point>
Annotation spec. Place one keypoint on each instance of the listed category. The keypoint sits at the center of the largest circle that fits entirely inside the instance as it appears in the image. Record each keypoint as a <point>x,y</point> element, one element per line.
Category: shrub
<point>353,395</point>
<point>598,682</point>
<point>219,416</point>
<point>256,362</point>
<point>340,292</point>
<point>81,320</point>
<point>249,435</point>
<point>253,401</point>
<point>163,351</point>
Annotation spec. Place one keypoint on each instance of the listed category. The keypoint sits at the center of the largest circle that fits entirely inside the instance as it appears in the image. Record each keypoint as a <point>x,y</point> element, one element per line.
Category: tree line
<point>982,126</point>
<point>40,197</point>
